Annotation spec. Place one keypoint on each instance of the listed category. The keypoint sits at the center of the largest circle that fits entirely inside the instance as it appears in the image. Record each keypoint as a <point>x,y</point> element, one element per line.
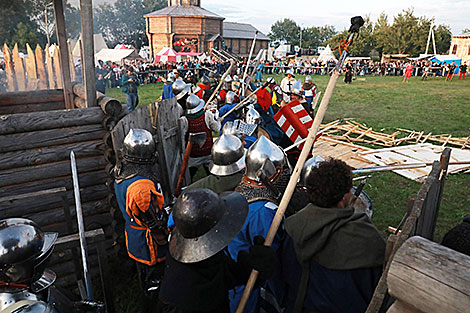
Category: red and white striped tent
<point>167,55</point>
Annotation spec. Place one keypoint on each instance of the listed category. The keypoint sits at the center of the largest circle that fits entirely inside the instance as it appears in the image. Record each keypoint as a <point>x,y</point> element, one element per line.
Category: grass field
<point>386,103</point>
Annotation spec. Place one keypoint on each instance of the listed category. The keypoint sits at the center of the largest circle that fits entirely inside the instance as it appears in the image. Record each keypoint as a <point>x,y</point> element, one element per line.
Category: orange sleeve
<point>139,196</point>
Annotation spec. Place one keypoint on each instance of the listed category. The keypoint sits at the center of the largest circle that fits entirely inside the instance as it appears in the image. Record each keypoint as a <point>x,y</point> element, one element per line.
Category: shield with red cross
<point>295,121</point>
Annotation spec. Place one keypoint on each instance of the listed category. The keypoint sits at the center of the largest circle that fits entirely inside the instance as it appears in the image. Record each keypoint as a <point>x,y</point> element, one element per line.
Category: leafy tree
<point>23,34</point>
<point>286,31</point>
<point>313,37</point>
<point>363,44</point>
<point>12,13</point>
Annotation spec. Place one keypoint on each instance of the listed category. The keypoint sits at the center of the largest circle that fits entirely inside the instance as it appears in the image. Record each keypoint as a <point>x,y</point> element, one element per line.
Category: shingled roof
<point>241,31</point>
<point>185,10</point>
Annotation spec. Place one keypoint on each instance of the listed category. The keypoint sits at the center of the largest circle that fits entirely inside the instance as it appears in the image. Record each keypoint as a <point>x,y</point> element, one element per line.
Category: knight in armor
<point>231,101</point>
<point>309,92</point>
<point>226,167</point>
<point>140,199</point>
<point>201,120</point>
<point>252,117</point>
<point>26,285</point>
<point>263,187</point>
<point>226,88</point>
<point>199,271</point>
<point>181,90</point>
<point>339,251</point>
<point>287,84</point>
<point>190,78</point>
<point>203,88</point>
<point>168,86</point>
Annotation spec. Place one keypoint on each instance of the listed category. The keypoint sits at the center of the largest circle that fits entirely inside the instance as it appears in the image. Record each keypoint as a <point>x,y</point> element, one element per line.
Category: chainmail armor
<point>129,170</point>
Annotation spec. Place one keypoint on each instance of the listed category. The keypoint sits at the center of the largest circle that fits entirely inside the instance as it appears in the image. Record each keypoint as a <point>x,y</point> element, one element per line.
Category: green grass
<point>386,103</point>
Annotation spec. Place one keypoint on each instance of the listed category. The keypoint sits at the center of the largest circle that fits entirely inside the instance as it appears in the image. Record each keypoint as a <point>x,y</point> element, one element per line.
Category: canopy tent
<point>121,55</point>
<point>167,55</point>
<point>327,55</point>
<point>422,57</point>
<point>98,42</point>
<point>447,59</point>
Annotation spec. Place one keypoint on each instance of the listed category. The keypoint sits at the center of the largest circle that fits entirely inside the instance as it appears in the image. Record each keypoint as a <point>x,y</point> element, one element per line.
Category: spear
<point>356,22</point>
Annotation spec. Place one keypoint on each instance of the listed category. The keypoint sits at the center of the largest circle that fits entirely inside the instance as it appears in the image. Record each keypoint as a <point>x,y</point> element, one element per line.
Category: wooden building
<point>460,46</point>
<point>187,27</point>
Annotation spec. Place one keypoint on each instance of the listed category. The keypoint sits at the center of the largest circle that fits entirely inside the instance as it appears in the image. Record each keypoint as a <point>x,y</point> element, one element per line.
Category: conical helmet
<point>259,152</point>
<point>227,156</point>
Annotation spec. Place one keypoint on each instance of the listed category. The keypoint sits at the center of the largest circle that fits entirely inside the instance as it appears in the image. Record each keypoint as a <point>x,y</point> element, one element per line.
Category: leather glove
<point>260,257</point>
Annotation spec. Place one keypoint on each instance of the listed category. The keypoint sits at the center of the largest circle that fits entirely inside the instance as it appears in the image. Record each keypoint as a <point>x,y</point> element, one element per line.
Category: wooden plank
<point>72,66</point>
<point>10,71</point>
<point>26,122</point>
<point>30,63</point>
<point>19,69</point>
<point>57,69</point>
<point>88,57</point>
<point>402,307</point>
<point>27,97</point>
<point>41,68</point>
<point>33,194</point>
<point>23,158</point>
<point>63,53</point>
<point>50,69</point>
<point>430,277</point>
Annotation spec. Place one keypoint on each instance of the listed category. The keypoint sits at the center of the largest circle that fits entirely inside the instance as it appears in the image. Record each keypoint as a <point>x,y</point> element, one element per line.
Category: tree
<point>312,37</point>
<point>23,34</point>
<point>13,12</point>
<point>286,31</point>
<point>363,44</point>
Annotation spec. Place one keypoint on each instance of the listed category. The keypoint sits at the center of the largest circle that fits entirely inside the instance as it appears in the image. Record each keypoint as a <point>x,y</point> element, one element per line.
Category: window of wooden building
<point>454,49</point>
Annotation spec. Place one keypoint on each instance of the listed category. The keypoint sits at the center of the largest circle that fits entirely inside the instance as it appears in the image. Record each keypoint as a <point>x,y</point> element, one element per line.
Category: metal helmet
<point>171,77</point>
<point>308,78</point>
<point>139,146</point>
<point>290,71</point>
<point>180,89</point>
<point>239,129</point>
<point>23,248</point>
<point>231,98</point>
<point>228,79</point>
<point>253,117</point>
<point>259,152</point>
<point>205,80</point>
<point>311,163</point>
<point>205,223</point>
<point>194,104</point>
<point>236,78</point>
<point>36,307</point>
<point>271,80</point>
<point>227,156</point>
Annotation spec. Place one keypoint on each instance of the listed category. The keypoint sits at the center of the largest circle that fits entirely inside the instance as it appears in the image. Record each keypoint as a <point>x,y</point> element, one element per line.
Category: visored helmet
<point>227,156</point>
<point>205,223</point>
<point>24,247</point>
<point>139,146</point>
<point>180,89</point>
<point>194,104</point>
<point>271,80</point>
<point>239,129</point>
<point>258,153</point>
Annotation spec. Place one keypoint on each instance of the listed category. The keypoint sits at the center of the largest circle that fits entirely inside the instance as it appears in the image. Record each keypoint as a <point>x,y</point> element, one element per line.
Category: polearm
<point>232,64</point>
<point>81,227</point>
<point>356,22</point>
<point>248,62</point>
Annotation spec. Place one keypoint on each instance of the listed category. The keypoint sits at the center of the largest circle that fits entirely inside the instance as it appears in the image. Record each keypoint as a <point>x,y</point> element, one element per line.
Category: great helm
<point>171,77</point>
<point>258,153</point>
<point>24,247</point>
<point>139,146</point>
<point>205,223</point>
<point>205,80</point>
<point>180,89</point>
<point>194,104</point>
<point>231,97</point>
<point>253,117</point>
<point>310,164</point>
<point>227,156</point>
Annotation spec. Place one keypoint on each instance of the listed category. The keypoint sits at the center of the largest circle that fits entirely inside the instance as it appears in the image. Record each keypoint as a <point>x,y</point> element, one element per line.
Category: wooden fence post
<point>30,63</point>
<point>88,52</point>
<point>19,69</point>
<point>50,69</point>
<point>10,71</point>
<point>41,68</point>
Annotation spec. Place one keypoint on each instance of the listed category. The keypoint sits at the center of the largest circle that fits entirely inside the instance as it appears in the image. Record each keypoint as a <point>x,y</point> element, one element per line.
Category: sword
<point>81,227</point>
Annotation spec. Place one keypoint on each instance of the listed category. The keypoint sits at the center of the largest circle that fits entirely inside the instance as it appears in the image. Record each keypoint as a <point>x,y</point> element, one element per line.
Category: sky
<point>263,13</point>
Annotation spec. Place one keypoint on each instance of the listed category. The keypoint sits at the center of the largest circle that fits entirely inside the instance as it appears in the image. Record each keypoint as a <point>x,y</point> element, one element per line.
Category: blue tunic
<point>231,117</point>
<point>167,92</point>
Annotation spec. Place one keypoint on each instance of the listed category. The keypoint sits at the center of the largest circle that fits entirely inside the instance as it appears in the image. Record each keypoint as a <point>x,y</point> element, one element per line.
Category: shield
<point>295,121</point>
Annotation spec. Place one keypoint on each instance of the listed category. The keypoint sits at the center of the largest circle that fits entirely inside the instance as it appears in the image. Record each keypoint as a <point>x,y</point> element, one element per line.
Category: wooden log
<point>110,106</point>
<point>71,66</point>
<point>50,137</point>
<point>27,97</point>
<point>30,108</point>
<point>86,179</point>
<point>91,222</point>
<point>79,102</point>
<point>109,122</point>
<point>23,158</point>
<point>80,91</point>
<point>50,69</point>
<point>30,63</point>
<point>44,171</point>
<point>41,68</point>
<point>27,122</point>
<point>430,277</point>
<point>9,69</point>
<point>19,69</point>
<point>41,204</point>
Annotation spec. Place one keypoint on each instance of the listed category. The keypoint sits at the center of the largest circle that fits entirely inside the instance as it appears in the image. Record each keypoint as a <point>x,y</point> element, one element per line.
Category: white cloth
<point>286,86</point>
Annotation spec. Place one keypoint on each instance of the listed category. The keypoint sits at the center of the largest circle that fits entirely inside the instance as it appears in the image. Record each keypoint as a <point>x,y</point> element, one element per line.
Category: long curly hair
<point>329,182</point>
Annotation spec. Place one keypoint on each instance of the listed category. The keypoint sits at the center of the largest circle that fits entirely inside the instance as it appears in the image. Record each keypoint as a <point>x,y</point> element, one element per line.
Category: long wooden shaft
<point>241,103</point>
<point>232,64</point>
<point>248,62</point>
<point>184,166</point>
<point>292,183</point>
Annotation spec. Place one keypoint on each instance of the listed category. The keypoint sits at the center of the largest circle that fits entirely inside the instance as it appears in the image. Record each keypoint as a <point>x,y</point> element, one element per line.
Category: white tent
<point>99,44</point>
<point>121,55</point>
<point>326,55</point>
<point>167,55</point>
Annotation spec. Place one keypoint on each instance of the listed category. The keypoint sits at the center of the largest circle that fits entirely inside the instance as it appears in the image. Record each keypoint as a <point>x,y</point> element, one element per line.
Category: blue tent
<point>447,59</point>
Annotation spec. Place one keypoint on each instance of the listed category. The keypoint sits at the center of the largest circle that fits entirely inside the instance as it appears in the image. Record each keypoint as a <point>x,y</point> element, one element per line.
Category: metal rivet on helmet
<point>227,156</point>
<point>139,146</point>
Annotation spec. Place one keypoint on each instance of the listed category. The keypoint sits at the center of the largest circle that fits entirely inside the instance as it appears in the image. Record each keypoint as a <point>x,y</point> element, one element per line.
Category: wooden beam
<point>63,53</point>
<point>88,52</point>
